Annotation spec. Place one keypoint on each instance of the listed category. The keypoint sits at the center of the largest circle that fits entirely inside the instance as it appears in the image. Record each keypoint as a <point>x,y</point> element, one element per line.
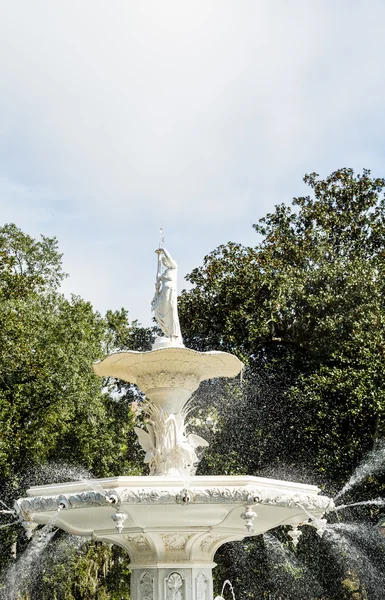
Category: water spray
<point>376,502</point>
<point>229,584</point>
<point>319,524</point>
<point>29,528</point>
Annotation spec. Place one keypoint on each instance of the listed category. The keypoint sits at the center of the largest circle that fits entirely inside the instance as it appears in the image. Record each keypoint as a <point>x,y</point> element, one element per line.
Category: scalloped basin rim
<point>145,481</point>
<point>207,364</point>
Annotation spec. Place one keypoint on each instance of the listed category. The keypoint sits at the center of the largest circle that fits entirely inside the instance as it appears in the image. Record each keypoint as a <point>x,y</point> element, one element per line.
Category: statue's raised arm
<point>164,304</point>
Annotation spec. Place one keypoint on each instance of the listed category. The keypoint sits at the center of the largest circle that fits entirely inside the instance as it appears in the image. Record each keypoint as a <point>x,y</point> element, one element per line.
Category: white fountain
<point>172,522</point>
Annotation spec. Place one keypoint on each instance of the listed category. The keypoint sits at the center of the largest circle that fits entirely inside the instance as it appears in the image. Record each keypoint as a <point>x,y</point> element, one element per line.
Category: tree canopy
<point>53,409</point>
<point>305,309</point>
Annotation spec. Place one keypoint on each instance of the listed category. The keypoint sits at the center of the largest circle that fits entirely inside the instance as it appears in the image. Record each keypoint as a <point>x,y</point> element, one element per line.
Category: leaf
<point>144,439</point>
<point>197,440</point>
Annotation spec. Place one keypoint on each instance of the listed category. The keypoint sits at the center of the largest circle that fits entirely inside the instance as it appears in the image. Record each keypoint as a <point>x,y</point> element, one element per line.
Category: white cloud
<point>119,117</point>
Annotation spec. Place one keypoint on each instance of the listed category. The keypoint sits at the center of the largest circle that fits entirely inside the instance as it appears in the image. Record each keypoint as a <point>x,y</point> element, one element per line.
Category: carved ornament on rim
<point>163,379</point>
<point>175,541</point>
<point>210,495</point>
<point>139,540</point>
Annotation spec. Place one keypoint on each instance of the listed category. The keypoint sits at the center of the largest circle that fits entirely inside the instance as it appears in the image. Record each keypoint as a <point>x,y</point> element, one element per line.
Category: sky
<point>118,117</point>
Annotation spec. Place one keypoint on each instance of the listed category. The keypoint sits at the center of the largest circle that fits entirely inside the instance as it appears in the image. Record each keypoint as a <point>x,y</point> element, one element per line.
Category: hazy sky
<point>118,117</point>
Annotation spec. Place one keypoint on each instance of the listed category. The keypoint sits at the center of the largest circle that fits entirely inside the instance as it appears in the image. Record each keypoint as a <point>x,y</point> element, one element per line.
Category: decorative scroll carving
<point>174,587</point>
<point>139,540</point>
<point>210,540</point>
<point>146,586</point>
<point>184,497</point>
<point>175,541</point>
<point>201,587</point>
<point>164,379</point>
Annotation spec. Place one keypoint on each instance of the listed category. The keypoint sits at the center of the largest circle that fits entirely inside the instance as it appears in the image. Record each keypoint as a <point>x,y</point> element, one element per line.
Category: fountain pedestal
<point>172,582</point>
<point>168,376</point>
<point>169,528</point>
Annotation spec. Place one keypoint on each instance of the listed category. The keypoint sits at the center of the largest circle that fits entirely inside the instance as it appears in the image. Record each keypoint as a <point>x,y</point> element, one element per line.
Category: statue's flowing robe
<point>165,306</point>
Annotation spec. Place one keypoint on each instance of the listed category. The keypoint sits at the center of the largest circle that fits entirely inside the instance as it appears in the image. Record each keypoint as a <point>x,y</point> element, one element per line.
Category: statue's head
<point>165,261</point>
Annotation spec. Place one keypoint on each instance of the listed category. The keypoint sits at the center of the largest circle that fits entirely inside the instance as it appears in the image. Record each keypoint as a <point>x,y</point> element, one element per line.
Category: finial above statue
<point>164,303</point>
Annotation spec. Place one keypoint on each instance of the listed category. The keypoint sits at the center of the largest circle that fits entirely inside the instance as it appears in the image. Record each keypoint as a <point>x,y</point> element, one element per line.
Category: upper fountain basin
<point>168,376</point>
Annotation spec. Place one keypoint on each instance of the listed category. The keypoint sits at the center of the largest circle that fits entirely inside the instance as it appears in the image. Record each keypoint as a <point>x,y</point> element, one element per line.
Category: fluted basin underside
<point>165,521</point>
<point>168,376</point>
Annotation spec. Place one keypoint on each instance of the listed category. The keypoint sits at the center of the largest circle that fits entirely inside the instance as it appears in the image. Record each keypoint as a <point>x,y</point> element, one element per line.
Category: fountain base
<point>171,527</point>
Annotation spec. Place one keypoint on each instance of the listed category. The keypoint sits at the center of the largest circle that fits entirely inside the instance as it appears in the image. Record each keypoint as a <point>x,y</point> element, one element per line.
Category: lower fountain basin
<point>171,519</point>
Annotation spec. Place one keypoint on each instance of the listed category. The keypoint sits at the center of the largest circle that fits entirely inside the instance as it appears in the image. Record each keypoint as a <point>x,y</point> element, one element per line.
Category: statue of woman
<point>164,303</point>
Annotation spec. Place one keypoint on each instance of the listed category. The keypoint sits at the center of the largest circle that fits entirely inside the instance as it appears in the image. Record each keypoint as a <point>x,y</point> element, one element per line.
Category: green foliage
<point>53,409</point>
<point>27,265</point>
<point>305,309</point>
<point>306,304</point>
<point>99,571</point>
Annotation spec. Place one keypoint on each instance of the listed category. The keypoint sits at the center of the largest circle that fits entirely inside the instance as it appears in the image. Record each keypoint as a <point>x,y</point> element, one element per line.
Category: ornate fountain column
<point>168,376</point>
<point>168,564</point>
<point>171,583</point>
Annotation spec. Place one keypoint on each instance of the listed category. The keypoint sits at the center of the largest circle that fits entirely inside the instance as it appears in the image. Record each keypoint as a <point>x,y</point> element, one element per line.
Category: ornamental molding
<point>211,495</point>
<point>174,585</point>
<point>146,586</point>
<point>175,541</point>
<point>209,541</point>
<point>163,379</point>
<point>131,366</point>
<point>139,540</point>
<point>201,587</point>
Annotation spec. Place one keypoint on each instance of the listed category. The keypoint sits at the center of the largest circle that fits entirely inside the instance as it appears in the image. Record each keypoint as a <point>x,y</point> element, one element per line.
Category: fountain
<point>171,522</point>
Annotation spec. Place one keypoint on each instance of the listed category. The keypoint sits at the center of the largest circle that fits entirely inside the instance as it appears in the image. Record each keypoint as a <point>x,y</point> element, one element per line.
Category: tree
<point>53,409</point>
<point>305,310</point>
<point>307,302</point>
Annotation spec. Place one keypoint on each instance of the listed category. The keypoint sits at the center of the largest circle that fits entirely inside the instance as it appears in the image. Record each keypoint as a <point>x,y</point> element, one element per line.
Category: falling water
<point>24,569</point>
<point>351,545</point>
<point>57,472</point>
<point>230,586</point>
<point>24,572</point>
<point>9,524</point>
<point>5,506</point>
<point>289,572</point>
<point>95,485</point>
<point>373,463</point>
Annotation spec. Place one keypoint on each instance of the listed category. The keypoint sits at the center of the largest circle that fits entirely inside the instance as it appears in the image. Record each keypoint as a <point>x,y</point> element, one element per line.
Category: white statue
<point>169,450</point>
<point>164,303</point>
